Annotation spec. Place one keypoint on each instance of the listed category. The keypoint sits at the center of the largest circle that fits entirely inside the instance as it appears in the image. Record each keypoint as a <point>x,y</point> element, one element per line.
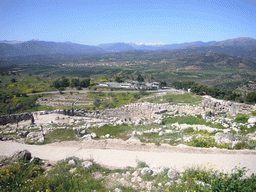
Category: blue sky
<point>92,22</point>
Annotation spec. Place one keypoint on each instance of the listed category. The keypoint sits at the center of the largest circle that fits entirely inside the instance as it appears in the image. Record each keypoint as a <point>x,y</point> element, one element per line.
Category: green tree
<point>13,80</point>
<point>75,83</point>
<point>250,97</point>
<point>140,78</point>
<point>118,79</point>
<point>162,84</point>
<point>56,84</point>
<point>85,83</point>
<point>64,82</point>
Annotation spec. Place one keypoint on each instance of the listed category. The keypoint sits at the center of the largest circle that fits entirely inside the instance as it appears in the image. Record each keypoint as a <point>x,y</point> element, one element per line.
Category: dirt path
<point>120,154</point>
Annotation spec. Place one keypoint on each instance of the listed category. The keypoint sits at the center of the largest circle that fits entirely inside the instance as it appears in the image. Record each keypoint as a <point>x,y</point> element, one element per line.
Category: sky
<point>94,22</point>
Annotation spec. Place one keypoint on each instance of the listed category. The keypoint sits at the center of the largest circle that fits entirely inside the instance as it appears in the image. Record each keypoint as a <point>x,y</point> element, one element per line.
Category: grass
<point>187,98</point>
<point>118,131</point>
<point>103,100</point>
<point>59,135</point>
<point>241,119</point>
<point>191,120</point>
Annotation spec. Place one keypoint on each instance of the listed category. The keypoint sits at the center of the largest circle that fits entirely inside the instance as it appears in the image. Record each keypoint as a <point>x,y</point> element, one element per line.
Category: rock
<point>87,164</point>
<point>35,160</point>
<point>133,139</point>
<point>35,137</point>
<point>23,133</point>
<point>138,122</point>
<point>72,162</point>
<point>84,132</point>
<point>136,179</point>
<point>221,137</point>
<point>172,173</point>
<point>146,171</point>
<point>169,183</point>
<point>120,122</point>
<point>252,120</point>
<point>135,173</point>
<point>87,137</point>
<point>203,184</point>
<point>72,170</point>
<point>117,190</point>
<point>97,175</point>
<point>161,133</point>
<point>93,135</point>
<point>22,155</point>
<point>107,136</point>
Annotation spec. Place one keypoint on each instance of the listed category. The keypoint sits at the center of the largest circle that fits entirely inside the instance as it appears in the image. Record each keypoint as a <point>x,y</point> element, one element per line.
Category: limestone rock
<point>117,190</point>
<point>136,179</point>
<point>84,132</point>
<point>221,137</point>
<point>72,162</point>
<point>22,155</point>
<point>87,137</point>
<point>93,135</point>
<point>252,120</point>
<point>87,164</point>
<point>146,171</point>
<point>35,137</point>
<point>172,173</point>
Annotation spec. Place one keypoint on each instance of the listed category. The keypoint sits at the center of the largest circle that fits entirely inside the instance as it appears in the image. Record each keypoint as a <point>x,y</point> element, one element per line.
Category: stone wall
<point>15,118</point>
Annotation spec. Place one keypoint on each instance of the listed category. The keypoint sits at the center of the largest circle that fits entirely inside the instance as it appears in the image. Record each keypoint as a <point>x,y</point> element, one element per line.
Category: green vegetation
<point>117,131</point>
<point>191,120</point>
<point>105,100</point>
<point>25,176</point>
<point>59,135</point>
<point>203,179</point>
<point>215,92</point>
<point>18,104</point>
<point>187,98</point>
<point>241,119</point>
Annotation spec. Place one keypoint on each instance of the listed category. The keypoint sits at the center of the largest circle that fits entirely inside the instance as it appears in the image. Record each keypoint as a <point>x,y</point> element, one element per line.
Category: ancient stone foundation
<point>15,118</point>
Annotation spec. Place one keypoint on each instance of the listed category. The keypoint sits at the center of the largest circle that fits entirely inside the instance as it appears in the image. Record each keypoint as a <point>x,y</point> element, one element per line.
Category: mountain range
<point>244,47</point>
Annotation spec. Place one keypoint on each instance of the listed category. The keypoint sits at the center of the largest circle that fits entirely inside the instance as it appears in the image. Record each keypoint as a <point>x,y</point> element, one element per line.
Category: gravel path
<point>120,158</point>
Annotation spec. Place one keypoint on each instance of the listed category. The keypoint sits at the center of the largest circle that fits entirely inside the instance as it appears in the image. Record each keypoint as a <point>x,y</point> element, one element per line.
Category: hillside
<point>43,48</point>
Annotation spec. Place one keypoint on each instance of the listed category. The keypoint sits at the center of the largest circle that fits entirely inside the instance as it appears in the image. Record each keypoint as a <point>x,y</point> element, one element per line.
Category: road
<point>120,158</point>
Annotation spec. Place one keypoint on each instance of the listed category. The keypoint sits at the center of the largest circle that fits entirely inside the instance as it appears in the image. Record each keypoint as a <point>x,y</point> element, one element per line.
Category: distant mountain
<point>240,41</point>
<point>116,47</point>
<point>237,42</point>
<point>35,47</point>
<point>243,47</point>
<point>10,42</point>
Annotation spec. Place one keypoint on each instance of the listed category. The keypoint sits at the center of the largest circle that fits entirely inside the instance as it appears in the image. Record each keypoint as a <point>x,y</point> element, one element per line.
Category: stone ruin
<point>15,118</point>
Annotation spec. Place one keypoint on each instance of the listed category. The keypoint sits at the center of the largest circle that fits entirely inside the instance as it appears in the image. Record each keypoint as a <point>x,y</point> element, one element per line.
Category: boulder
<point>221,137</point>
<point>87,137</point>
<point>146,171</point>
<point>35,137</point>
<point>93,135</point>
<point>172,173</point>
<point>252,120</point>
<point>72,162</point>
<point>136,179</point>
<point>87,164</point>
<point>22,155</point>
<point>84,132</point>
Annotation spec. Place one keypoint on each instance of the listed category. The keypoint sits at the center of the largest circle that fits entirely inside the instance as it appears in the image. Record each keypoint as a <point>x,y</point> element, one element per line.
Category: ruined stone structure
<point>15,118</point>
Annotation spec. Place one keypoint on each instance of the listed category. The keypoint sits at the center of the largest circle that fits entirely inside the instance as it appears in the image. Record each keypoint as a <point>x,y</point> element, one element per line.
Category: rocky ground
<point>143,128</point>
